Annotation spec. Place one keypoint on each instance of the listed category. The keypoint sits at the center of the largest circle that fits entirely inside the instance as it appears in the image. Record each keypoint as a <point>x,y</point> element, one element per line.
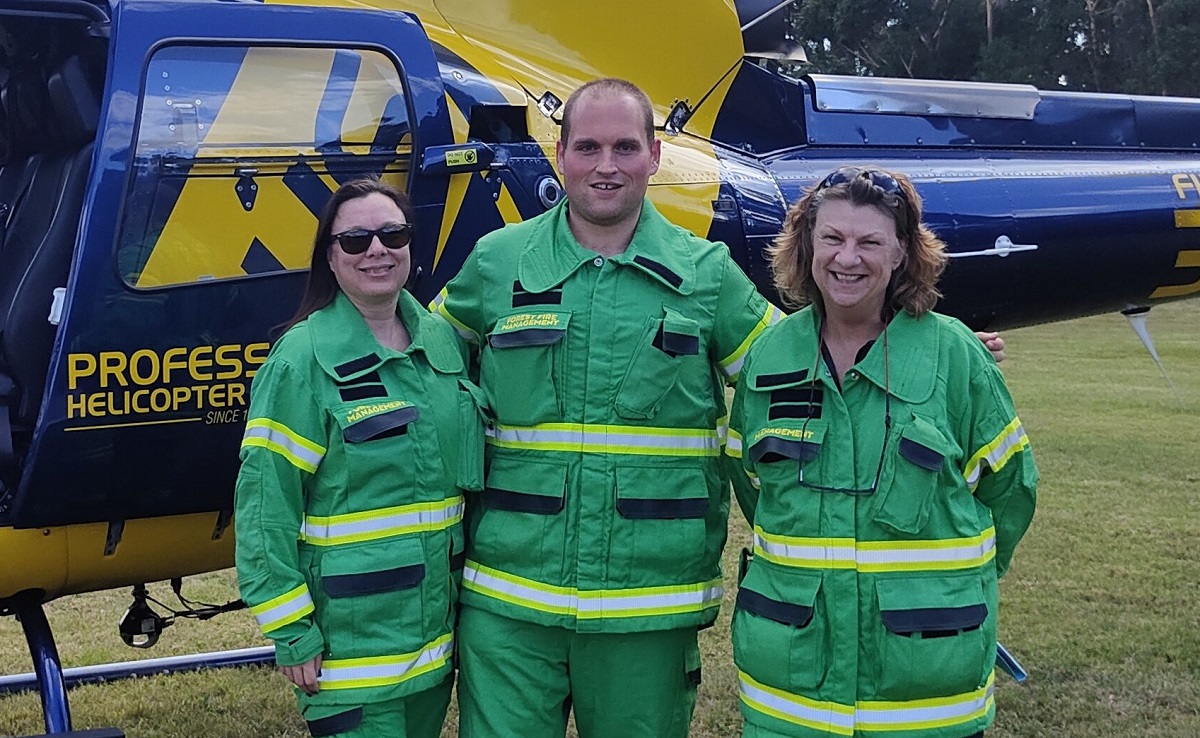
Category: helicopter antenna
<point>1137,320</point>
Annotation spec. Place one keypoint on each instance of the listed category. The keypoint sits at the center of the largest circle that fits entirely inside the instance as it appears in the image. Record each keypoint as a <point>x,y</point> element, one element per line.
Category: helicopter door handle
<point>1004,246</point>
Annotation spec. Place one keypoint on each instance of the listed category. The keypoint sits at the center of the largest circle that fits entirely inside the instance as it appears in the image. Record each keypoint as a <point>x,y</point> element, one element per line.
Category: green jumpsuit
<point>349,512</point>
<point>594,551</point>
<point>869,608</point>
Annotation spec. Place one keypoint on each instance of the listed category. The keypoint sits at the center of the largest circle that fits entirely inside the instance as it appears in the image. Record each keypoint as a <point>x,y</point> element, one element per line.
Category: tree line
<point>1147,47</point>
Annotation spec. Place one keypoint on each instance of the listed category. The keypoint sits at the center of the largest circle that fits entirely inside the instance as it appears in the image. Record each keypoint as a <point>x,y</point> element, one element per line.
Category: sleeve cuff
<point>299,650</point>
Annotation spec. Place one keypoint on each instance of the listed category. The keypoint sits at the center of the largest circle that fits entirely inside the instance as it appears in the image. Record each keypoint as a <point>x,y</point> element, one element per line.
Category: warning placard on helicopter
<point>200,383</point>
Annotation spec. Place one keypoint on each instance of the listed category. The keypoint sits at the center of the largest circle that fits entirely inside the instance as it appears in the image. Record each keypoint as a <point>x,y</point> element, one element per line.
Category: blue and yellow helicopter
<point>165,160</point>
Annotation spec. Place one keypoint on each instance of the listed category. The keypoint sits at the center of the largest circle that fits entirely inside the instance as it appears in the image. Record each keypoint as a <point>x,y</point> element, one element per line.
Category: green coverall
<point>594,550</point>
<point>874,613</point>
<point>349,512</point>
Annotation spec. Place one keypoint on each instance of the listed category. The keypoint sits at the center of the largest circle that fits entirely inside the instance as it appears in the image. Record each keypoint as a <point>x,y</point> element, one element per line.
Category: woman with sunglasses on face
<point>887,479</point>
<point>363,432</point>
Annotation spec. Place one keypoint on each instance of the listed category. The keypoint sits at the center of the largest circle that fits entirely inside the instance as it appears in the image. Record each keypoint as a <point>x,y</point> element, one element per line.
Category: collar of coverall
<point>346,349</point>
<point>912,352</point>
<point>553,254</point>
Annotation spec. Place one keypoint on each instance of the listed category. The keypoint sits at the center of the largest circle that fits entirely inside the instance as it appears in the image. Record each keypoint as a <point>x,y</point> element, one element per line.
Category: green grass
<point>1101,604</point>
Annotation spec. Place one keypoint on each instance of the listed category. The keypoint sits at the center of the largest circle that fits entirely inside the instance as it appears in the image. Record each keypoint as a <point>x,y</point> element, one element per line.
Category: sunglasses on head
<point>877,178</point>
<point>358,240</point>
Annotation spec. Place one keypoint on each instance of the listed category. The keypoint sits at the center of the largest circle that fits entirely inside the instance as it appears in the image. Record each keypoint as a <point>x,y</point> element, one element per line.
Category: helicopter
<point>165,162</point>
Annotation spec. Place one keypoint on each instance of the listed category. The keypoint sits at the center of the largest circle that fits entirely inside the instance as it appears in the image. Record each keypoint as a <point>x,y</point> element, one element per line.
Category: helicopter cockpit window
<point>238,148</point>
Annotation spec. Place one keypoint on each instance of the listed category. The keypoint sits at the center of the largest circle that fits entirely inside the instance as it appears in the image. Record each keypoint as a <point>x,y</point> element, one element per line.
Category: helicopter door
<point>225,128</point>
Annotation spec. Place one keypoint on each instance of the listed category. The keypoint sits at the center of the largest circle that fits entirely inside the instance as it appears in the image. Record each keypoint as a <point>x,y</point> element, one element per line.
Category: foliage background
<point>1134,46</point>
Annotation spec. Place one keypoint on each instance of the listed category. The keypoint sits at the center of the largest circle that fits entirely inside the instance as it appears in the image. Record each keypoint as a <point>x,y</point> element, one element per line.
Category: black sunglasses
<point>358,240</point>
<point>877,178</point>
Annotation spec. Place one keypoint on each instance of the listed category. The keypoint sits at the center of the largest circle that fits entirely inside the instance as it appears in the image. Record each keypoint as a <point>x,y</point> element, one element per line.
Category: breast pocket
<point>381,443</point>
<point>934,641</point>
<point>372,596</point>
<point>654,368</point>
<point>522,367</point>
<point>912,472</point>
<point>779,628</point>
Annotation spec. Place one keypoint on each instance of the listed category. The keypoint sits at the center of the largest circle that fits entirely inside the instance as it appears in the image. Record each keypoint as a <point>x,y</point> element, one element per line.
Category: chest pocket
<point>381,441</point>
<point>525,355</point>
<point>653,369</point>
<point>916,463</point>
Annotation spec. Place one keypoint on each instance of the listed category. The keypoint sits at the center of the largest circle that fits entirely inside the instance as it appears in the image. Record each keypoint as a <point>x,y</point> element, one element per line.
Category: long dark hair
<point>322,286</point>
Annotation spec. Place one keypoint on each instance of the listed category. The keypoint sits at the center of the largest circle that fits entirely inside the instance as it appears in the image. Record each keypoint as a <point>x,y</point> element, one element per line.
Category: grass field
<point>1102,604</point>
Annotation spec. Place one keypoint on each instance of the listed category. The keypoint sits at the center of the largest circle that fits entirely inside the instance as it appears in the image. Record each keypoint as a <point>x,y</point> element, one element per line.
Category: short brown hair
<point>914,285</point>
<point>609,86</point>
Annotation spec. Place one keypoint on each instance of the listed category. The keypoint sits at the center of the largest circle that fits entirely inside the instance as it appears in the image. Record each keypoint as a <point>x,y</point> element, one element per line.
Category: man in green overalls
<point>606,337</point>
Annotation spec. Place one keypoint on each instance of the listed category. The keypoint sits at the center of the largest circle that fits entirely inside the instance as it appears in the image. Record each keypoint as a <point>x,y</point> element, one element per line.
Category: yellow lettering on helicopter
<point>200,379</point>
<point>1185,181</point>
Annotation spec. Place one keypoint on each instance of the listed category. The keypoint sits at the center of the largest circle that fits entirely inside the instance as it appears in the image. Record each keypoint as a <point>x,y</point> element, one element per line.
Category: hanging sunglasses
<point>887,427</point>
<point>877,178</point>
<point>358,240</point>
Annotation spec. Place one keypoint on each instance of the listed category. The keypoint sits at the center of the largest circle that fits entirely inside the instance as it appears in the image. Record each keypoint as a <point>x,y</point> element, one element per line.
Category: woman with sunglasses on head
<point>363,433</point>
<point>887,479</point>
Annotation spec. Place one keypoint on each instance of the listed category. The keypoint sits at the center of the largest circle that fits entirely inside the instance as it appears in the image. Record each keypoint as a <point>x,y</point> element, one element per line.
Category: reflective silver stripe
<point>733,444</point>
<point>732,364</point>
<point>833,553</point>
<point>832,717</point>
<point>381,671</point>
<point>591,604</point>
<point>438,305</point>
<point>927,714</point>
<point>828,716</point>
<point>283,610</point>
<point>277,437</point>
<point>997,453</point>
<point>390,521</point>
<point>876,556</point>
<point>608,439</point>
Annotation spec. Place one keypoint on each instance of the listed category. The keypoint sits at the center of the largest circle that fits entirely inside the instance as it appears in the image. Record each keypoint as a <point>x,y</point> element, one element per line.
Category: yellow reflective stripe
<point>383,671</point>
<point>591,604</point>
<point>830,717</point>
<point>1003,447</point>
<point>386,522</point>
<point>754,480</point>
<point>283,610</point>
<point>732,364</point>
<point>927,714</point>
<point>607,439</point>
<point>438,305</point>
<point>733,444</point>
<point>876,556</point>
<point>273,436</point>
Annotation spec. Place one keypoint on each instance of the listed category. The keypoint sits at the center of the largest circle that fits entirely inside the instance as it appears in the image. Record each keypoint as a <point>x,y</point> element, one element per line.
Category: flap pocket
<point>923,444</point>
<point>379,420</point>
<point>677,335</point>
<point>776,443</point>
<point>382,566</point>
<point>777,595</point>
<point>527,486</point>
<point>652,493</point>
<point>529,329</point>
<point>931,607</point>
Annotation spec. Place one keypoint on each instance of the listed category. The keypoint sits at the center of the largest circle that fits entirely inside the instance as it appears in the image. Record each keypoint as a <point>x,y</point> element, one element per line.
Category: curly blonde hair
<point>913,286</point>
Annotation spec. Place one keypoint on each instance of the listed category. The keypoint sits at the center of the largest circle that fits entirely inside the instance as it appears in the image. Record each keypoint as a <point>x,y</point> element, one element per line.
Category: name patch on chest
<point>800,433</point>
<point>531,320</point>
<point>366,411</point>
